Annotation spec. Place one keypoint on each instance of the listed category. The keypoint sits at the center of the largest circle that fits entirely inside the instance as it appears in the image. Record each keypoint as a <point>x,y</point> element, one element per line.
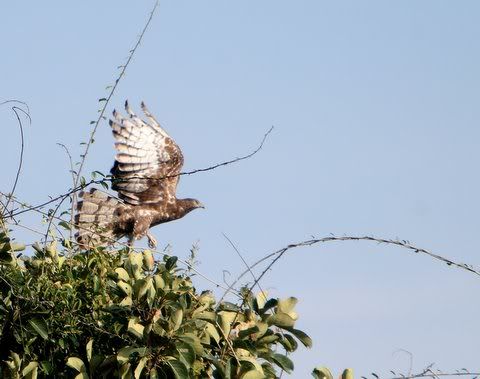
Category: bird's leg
<point>130,241</point>
<point>152,242</point>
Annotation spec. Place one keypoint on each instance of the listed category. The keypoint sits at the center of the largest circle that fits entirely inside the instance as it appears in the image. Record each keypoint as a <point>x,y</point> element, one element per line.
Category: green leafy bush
<point>103,314</point>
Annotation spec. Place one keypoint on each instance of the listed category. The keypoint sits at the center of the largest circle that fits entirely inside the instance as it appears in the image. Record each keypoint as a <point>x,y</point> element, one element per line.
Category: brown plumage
<point>145,175</point>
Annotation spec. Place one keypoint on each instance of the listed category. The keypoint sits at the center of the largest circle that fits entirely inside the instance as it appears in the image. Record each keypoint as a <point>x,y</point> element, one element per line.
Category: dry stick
<point>51,218</point>
<point>139,250</point>
<point>225,163</point>
<point>80,187</point>
<point>72,172</point>
<point>15,110</point>
<point>405,244</point>
<point>29,208</point>
<point>244,261</point>
<point>430,374</point>
<point>258,284</point>
<point>107,101</point>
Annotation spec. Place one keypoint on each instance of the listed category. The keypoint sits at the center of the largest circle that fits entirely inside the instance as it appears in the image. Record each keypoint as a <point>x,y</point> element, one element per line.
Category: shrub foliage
<point>121,313</point>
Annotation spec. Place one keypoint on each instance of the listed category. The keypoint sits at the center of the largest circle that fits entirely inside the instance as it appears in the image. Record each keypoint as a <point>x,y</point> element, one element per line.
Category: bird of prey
<point>145,175</point>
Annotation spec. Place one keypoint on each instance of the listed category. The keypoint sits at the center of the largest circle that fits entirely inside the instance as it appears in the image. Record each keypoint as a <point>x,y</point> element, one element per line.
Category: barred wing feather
<point>148,160</point>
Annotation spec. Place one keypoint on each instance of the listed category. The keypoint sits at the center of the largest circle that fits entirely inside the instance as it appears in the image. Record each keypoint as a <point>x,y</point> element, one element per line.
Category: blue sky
<point>375,109</point>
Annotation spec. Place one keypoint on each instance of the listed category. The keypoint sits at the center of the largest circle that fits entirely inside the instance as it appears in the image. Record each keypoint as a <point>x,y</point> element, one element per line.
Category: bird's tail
<point>94,219</point>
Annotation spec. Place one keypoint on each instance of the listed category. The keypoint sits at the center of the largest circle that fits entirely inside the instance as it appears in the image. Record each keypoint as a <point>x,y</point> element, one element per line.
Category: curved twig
<point>402,243</point>
<point>15,110</point>
<point>431,374</point>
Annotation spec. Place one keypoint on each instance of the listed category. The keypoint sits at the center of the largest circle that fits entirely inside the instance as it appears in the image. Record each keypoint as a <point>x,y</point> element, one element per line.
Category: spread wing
<point>148,161</point>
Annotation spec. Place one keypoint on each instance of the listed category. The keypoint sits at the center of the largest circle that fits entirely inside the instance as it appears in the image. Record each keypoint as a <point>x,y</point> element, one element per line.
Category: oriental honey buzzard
<point>145,175</point>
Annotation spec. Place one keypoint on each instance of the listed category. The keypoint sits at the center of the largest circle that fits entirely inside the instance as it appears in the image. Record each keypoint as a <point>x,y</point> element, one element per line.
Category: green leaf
<point>282,320</point>
<point>261,299</point>
<point>11,246</point>
<point>304,338</point>
<point>124,354</point>
<point>176,319</point>
<point>140,367</point>
<point>143,286</point>
<point>322,373</point>
<point>125,372</point>
<point>64,225</point>
<point>125,287</point>
<point>170,263</point>
<point>89,349</point>
<point>271,338</point>
<point>287,306</point>
<point>253,374</point>
<point>268,305</point>
<point>47,367</point>
<point>247,332</point>
<point>159,282</point>
<point>178,368</point>
<point>134,265</point>
<point>194,341</point>
<point>186,353</point>
<point>212,331</point>
<point>122,274</point>
<point>226,320</point>
<point>76,364</point>
<point>148,260</point>
<point>40,327</point>
<point>31,370</point>
<point>347,373</point>
<point>230,307</point>
<point>283,361</point>
<point>289,343</point>
<point>16,359</point>
<point>135,328</point>
<point>205,315</point>
<point>127,301</point>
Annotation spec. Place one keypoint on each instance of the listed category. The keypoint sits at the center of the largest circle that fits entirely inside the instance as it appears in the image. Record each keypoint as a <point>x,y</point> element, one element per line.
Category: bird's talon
<point>152,242</point>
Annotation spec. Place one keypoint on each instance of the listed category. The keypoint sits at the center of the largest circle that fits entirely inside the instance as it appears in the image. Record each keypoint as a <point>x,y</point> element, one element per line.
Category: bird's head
<point>190,204</point>
<point>198,204</point>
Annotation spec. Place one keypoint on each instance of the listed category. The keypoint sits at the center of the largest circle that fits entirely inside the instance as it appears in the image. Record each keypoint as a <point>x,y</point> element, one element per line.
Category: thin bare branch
<point>72,172</point>
<point>107,101</point>
<point>15,110</point>
<point>187,264</point>
<point>112,91</point>
<point>401,243</point>
<point>243,260</point>
<point>431,374</point>
<point>81,187</point>
<point>235,160</point>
